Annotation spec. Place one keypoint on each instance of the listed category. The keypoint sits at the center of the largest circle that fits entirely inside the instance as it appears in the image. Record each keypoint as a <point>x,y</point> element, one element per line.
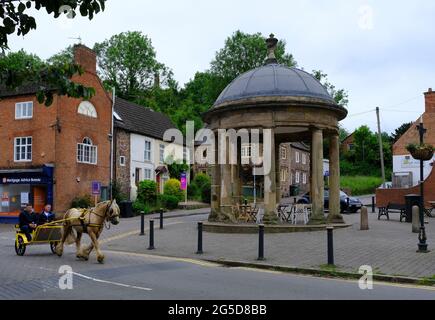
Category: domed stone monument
<point>292,106</point>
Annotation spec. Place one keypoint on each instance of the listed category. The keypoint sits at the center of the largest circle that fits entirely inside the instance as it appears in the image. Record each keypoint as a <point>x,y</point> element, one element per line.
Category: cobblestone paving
<point>389,247</point>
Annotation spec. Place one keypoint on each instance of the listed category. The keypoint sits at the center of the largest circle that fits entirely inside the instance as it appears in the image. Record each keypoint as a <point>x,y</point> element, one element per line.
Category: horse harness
<point>85,212</point>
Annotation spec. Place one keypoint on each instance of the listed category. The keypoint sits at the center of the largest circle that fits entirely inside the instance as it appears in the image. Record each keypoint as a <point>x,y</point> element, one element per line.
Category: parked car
<point>352,206</point>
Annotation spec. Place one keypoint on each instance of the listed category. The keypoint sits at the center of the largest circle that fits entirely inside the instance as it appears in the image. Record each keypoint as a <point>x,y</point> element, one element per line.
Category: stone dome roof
<point>274,80</point>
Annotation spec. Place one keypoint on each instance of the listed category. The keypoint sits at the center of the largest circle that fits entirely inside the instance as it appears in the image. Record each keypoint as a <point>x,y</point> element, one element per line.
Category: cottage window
<point>147,174</point>
<point>298,177</point>
<point>304,158</point>
<point>23,149</point>
<point>298,157</point>
<point>304,178</point>
<point>87,152</point>
<point>162,153</point>
<point>87,109</point>
<point>283,153</point>
<point>122,161</point>
<point>24,110</point>
<point>147,154</point>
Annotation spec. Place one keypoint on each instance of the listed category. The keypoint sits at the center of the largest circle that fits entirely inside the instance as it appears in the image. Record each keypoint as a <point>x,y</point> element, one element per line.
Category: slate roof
<point>141,120</point>
<point>26,89</point>
<point>301,146</point>
<point>274,80</point>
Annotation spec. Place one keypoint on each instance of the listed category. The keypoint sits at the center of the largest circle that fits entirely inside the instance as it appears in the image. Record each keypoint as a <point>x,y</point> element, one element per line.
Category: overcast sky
<point>382,52</point>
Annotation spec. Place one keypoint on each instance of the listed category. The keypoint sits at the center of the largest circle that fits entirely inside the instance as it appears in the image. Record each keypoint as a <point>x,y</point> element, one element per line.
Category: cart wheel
<point>53,246</point>
<point>20,247</point>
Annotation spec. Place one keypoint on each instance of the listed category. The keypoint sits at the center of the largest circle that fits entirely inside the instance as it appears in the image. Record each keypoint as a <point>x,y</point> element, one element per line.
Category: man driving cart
<point>28,221</point>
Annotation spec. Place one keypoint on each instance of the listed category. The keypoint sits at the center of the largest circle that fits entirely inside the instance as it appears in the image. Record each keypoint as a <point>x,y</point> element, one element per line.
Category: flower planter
<point>424,154</point>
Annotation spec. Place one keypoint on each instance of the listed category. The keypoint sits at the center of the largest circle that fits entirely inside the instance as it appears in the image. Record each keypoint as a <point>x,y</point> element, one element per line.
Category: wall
<point>405,163</point>
<point>122,148</point>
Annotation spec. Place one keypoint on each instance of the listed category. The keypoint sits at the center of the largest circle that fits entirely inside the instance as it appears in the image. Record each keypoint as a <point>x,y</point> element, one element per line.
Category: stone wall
<point>122,149</point>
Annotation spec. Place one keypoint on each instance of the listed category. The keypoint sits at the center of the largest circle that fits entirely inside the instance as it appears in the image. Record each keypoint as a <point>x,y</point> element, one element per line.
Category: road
<point>145,277</point>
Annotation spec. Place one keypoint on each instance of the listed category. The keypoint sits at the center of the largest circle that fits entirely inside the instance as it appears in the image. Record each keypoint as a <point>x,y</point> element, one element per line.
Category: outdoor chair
<point>299,212</point>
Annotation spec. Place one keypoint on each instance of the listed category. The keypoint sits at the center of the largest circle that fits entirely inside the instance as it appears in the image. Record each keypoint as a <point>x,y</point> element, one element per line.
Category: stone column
<point>278,172</point>
<point>270,216</point>
<point>334,180</point>
<point>317,182</point>
<point>235,178</point>
<point>215,186</point>
<point>226,188</point>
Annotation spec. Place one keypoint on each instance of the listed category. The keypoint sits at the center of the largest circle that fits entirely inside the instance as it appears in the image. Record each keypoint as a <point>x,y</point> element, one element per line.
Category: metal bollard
<point>261,242</point>
<point>199,239</point>
<point>373,205</point>
<point>161,219</point>
<point>330,231</point>
<point>151,247</point>
<point>295,200</point>
<point>348,204</point>
<point>142,223</point>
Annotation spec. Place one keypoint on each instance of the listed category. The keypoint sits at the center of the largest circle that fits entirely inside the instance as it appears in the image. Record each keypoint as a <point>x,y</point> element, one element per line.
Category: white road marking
<point>100,280</point>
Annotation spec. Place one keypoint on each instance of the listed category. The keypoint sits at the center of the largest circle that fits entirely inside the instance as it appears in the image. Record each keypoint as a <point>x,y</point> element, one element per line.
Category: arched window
<point>87,152</point>
<point>87,109</point>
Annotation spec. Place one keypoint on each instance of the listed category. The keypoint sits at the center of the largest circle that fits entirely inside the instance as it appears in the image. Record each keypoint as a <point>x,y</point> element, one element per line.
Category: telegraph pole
<point>381,149</point>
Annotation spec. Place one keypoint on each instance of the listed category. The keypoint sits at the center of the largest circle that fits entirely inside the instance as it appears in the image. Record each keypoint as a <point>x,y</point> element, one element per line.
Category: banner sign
<point>183,181</point>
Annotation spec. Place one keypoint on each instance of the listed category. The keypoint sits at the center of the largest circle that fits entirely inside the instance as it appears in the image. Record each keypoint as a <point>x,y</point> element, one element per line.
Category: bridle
<point>105,216</point>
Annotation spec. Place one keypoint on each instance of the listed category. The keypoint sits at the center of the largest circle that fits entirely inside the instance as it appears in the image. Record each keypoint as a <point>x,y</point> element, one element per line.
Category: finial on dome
<point>271,47</point>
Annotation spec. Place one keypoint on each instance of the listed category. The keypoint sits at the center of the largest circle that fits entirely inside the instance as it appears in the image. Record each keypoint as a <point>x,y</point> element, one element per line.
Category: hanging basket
<point>421,152</point>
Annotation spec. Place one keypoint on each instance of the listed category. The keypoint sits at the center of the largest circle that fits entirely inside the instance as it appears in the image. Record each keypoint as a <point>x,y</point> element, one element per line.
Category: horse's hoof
<point>100,260</point>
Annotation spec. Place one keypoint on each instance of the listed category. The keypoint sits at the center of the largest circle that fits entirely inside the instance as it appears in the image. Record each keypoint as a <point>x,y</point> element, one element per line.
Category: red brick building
<point>403,163</point>
<point>53,154</point>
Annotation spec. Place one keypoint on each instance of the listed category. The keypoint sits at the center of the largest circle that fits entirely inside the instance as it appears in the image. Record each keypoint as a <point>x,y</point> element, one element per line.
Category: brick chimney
<point>85,57</point>
<point>430,101</point>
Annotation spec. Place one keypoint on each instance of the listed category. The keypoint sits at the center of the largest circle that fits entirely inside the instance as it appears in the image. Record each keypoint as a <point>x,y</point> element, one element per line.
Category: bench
<point>392,207</point>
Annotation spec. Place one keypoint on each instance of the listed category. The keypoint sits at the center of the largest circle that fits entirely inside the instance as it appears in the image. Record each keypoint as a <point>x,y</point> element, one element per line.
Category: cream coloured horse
<point>90,221</point>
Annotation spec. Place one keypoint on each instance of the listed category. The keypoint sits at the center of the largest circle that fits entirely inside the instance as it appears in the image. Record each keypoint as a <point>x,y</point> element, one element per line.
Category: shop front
<point>21,186</point>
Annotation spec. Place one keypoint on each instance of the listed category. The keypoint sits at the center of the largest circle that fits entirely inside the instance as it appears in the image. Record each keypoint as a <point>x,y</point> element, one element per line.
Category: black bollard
<point>161,219</point>
<point>142,223</point>
<point>261,242</point>
<point>199,238</point>
<point>151,247</point>
<point>295,200</point>
<point>330,231</point>
<point>348,204</point>
<point>373,205</point>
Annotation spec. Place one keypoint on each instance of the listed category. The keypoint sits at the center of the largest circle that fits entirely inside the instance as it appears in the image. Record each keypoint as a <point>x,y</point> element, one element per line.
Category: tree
<point>127,61</point>
<point>64,57</point>
<point>340,96</point>
<point>243,52</point>
<point>399,132</point>
<point>52,79</point>
<point>20,68</point>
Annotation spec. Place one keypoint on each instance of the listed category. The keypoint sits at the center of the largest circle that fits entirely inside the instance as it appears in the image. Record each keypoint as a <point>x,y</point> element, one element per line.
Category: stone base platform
<point>215,227</point>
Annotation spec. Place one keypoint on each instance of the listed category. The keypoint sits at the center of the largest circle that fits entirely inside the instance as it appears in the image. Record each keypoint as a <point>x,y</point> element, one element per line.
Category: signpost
<point>96,190</point>
<point>183,180</point>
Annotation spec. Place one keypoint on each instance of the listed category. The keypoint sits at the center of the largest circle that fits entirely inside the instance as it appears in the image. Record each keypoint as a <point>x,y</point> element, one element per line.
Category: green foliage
<point>203,182</point>
<point>52,78</point>
<point>116,192</point>
<point>399,132</point>
<point>147,192</point>
<point>82,202</point>
<point>243,52</point>
<point>63,57</point>
<point>16,19</point>
<point>193,192</point>
<point>412,147</point>
<point>364,159</point>
<point>340,96</point>
<point>176,167</point>
<point>139,207</point>
<point>172,188</point>
<point>170,202</point>
<point>360,185</point>
<point>127,61</point>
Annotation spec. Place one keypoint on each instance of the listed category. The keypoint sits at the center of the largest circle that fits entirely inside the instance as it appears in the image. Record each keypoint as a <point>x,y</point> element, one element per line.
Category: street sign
<point>96,188</point>
<point>183,181</point>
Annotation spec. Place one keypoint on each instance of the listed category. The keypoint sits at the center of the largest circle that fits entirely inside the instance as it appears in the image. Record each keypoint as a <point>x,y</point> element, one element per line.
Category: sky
<point>381,52</point>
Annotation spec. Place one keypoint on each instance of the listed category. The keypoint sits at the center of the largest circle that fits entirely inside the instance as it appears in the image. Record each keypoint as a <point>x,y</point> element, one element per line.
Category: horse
<point>90,221</point>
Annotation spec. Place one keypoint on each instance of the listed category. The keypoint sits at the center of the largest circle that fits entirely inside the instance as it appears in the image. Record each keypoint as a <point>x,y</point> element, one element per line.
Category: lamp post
<point>422,245</point>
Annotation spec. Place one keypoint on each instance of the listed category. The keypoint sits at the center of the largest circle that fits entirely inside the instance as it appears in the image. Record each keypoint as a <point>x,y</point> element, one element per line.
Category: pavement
<point>144,275</point>
<point>174,271</point>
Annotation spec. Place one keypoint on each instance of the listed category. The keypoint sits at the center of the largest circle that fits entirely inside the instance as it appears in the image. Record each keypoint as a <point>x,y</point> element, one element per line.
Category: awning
<point>161,170</point>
